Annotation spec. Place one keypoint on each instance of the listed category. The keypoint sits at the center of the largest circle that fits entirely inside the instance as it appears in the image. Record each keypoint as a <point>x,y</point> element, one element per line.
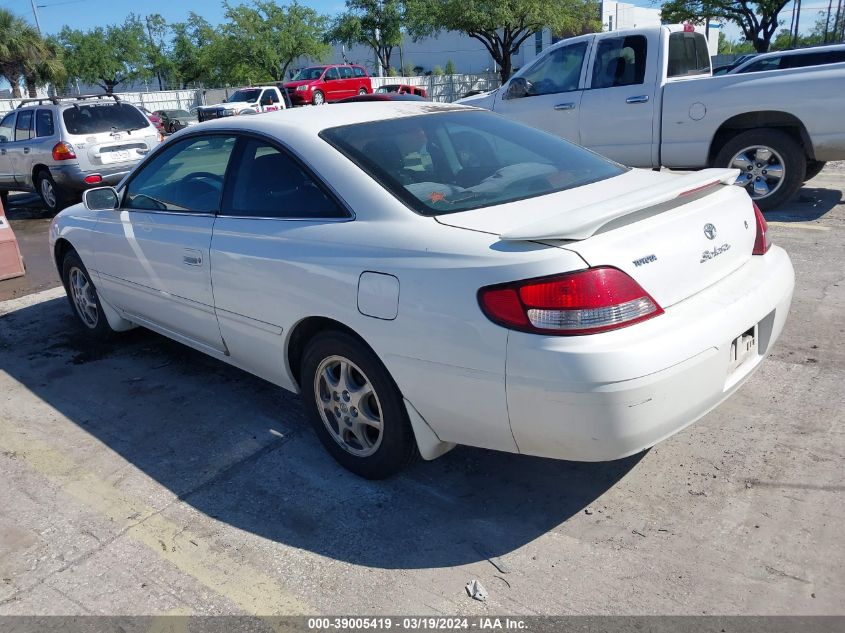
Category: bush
<point>450,67</point>
<point>437,71</point>
<point>408,70</point>
<point>391,72</point>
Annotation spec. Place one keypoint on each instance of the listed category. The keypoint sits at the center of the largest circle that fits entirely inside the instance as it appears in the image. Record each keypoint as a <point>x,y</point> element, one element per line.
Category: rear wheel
<point>319,98</point>
<point>53,196</point>
<point>355,407</point>
<point>362,91</point>
<point>83,298</point>
<point>771,163</point>
<point>814,167</point>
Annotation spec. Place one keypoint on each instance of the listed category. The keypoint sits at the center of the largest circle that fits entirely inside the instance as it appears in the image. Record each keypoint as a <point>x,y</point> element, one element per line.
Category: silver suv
<point>59,147</point>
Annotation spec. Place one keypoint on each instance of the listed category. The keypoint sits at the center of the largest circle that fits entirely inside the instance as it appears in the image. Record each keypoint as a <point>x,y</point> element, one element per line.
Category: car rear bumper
<point>72,177</point>
<point>607,396</point>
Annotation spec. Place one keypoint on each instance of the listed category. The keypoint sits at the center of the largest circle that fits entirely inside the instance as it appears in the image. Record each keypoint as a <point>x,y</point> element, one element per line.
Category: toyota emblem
<point>710,231</point>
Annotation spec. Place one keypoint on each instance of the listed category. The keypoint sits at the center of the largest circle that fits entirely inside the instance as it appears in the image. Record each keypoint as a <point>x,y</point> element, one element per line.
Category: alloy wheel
<point>349,406</point>
<point>762,170</point>
<point>84,297</point>
<point>48,193</point>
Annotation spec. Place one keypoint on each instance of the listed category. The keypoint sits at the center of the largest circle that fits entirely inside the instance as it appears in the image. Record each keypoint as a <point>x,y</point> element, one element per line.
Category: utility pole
<point>797,19</point>
<point>827,20</point>
<point>35,15</point>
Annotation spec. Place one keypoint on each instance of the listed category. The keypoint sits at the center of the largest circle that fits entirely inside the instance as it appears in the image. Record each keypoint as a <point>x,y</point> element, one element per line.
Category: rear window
<point>457,161</point>
<point>688,55</point>
<point>103,117</point>
<point>359,72</point>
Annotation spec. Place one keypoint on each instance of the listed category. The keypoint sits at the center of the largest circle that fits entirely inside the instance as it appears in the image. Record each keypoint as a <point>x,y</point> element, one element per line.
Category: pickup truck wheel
<point>814,167</point>
<point>355,407</point>
<point>53,197</point>
<point>319,98</point>
<point>771,163</point>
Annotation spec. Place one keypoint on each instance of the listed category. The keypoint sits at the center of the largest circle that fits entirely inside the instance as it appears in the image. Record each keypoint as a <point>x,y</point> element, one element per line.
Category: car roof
<point>315,119</point>
<point>799,51</point>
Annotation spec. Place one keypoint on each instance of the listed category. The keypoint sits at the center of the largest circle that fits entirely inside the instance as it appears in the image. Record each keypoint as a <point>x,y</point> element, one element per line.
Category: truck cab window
<point>620,61</point>
<point>558,71</point>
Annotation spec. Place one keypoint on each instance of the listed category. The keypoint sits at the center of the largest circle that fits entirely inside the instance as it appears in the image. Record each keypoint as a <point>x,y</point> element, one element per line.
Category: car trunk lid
<point>675,235</point>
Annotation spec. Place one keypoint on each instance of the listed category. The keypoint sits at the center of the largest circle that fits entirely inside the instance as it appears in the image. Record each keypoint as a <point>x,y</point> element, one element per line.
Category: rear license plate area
<point>115,156</point>
<point>742,349</point>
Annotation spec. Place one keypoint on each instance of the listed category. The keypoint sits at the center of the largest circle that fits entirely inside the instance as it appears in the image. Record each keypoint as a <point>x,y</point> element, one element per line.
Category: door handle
<point>26,150</point>
<point>191,257</point>
<point>565,106</point>
<point>637,99</point>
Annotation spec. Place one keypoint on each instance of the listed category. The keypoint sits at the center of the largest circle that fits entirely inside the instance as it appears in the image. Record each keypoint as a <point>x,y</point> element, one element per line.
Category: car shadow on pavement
<point>239,449</point>
<point>810,204</point>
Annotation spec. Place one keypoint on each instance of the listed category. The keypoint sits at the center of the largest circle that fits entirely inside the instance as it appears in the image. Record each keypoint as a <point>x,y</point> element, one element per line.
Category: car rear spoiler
<point>583,222</point>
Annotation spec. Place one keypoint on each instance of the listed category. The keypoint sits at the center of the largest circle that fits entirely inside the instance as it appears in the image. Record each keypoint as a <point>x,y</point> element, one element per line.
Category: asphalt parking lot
<point>145,478</point>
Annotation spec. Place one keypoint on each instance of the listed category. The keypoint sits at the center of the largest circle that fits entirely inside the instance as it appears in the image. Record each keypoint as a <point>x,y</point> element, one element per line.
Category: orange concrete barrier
<point>11,260</point>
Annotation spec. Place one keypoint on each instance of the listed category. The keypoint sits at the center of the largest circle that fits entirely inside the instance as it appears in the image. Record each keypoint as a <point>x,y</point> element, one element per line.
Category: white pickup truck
<point>245,101</point>
<point>646,98</point>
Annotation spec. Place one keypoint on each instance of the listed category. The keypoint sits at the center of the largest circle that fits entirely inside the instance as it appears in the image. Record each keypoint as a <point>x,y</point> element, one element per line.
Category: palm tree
<point>26,57</point>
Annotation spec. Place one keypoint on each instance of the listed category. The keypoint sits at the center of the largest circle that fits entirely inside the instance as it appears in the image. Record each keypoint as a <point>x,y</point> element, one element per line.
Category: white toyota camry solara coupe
<point>429,275</point>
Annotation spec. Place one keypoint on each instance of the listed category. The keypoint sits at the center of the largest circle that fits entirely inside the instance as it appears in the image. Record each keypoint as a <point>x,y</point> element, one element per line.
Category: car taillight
<point>763,241</point>
<point>63,151</point>
<point>586,302</point>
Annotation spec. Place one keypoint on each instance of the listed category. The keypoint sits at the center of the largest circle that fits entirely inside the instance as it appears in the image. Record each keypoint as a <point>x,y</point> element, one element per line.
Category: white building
<point>617,16</point>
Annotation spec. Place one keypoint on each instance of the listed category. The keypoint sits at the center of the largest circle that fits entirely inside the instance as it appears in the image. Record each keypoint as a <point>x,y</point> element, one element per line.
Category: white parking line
<point>799,225</point>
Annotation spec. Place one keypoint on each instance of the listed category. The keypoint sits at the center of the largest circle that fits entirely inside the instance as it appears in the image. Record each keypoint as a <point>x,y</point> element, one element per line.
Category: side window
<point>7,128</point>
<point>688,55</point>
<point>23,129</point>
<point>620,61</point>
<point>331,74</point>
<point>269,97</point>
<point>771,63</point>
<point>44,123</point>
<point>558,71</point>
<point>187,176</point>
<point>268,183</point>
<point>346,73</point>
<point>358,71</point>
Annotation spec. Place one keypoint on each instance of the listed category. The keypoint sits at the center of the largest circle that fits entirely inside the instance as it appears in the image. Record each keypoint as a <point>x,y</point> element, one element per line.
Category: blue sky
<point>85,14</point>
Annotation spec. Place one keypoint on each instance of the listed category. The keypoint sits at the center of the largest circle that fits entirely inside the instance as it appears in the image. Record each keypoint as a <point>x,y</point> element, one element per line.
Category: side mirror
<point>517,88</point>
<point>101,199</point>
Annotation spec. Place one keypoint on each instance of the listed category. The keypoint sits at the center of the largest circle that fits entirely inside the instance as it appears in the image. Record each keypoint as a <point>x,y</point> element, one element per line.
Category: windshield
<point>103,117</point>
<point>315,72</point>
<point>247,94</point>
<point>175,114</point>
<point>456,161</point>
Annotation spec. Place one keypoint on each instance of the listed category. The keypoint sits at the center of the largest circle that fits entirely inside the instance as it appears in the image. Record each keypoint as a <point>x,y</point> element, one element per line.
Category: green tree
<point>155,51</point>
<point>26,57</point>
<point>260,41</point>
<point>757,19</point>
<point>373,23</point>
<point>192,52</point>
<point>437,71</point>
<point>450,67</point>
<point>502,26</point>
<point>107,57</point>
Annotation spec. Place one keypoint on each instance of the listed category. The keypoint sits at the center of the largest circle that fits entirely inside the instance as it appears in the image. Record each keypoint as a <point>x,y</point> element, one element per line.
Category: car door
<point>332,85</point>
<point>152,254</point>
<point>347,79</point>
<point>19,151</point>
<point>276,232</point>
<point>548,94</point>
<point>269,100</point>
<point>617,110</point>
<point>44,138</point>
<point>7,137</point>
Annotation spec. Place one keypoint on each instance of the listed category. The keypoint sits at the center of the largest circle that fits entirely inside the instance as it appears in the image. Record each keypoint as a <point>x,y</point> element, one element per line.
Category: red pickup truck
<point>320,84</point>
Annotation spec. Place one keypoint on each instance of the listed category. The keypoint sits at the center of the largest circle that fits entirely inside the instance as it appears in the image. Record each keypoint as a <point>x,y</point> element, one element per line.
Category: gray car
<point>59,147</point>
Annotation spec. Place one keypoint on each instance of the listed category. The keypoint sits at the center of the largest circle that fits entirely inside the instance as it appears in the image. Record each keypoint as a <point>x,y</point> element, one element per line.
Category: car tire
<point>53,196</point>
<point>171,128</point>
<point>750,149</point>
<point>362,91</point>
<point>342,418</point>
<point>318,98</point>
<point>814,167</point>
<point>83,298</point>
